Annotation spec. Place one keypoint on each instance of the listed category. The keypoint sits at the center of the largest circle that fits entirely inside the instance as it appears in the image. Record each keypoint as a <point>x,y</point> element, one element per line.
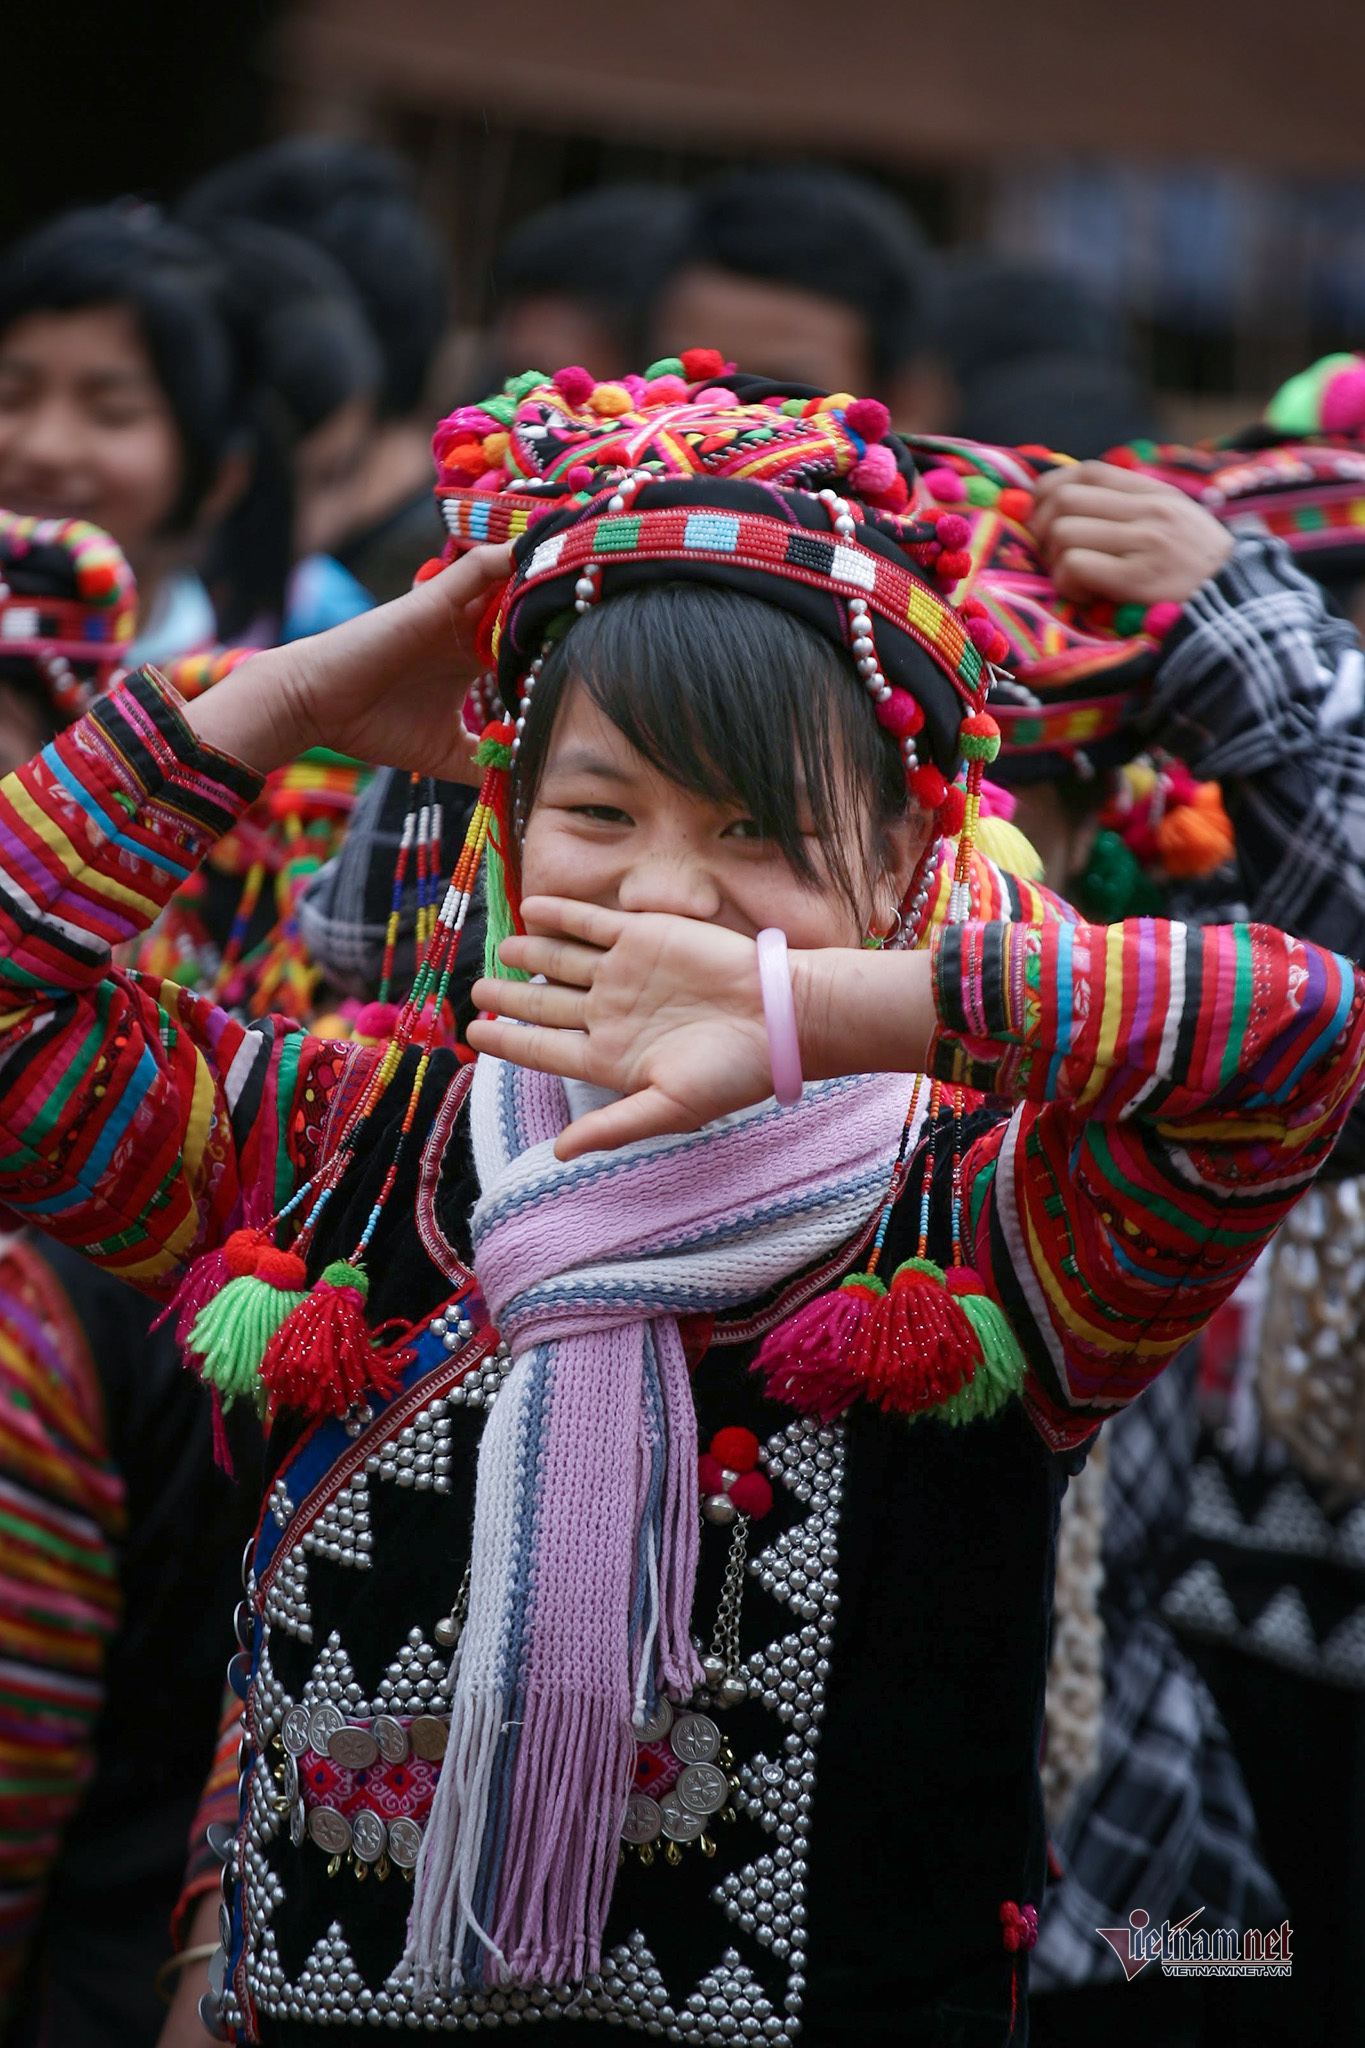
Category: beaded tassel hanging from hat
<point>265,1333</point>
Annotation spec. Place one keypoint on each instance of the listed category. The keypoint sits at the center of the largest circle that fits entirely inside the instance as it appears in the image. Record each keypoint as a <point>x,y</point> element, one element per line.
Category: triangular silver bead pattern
<point>731,2005</point>
<point>1212,1511</point>
<point>1291,1520</point>
<point>342,1531</point>
<point>1343,1653</point>
<point>264,1820</point>
<point>270,1702</point>
<point>286,1604</point>
<point>631,1991</point>
<point>1283,1632</point>
<point>1199,1602</point>
<point>332,1681</point>
<point>414,1682</point>
<point>1348,1539</point>
<point>329,1988</point>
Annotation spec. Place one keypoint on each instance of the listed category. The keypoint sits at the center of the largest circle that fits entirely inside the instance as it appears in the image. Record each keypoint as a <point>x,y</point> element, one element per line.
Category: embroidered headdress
<point>68,606</point>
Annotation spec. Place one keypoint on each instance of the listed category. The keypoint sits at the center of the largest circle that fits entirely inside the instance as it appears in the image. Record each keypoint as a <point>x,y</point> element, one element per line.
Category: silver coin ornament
<point>656,1725</point>
<point>298,1826</point>
<point>368,1835</point>
<point>679,1824</point>
<point>295,1734</point>
<point>703,1788</point>
<point>330,1830</point>
<point>224,1928</point>
<point>323,1723</point>
<point>217,1971</point>
<point>405,1842</point>
<point>392,1738</point>
<point>355,1749</point>
<point>290,1787</point>
<point>695,1739</point>
<point>644,1821</point>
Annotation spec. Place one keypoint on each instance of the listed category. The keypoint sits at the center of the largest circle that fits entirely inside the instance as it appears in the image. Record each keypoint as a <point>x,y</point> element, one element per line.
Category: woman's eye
<point>743,828</point>
<point>604,814</point>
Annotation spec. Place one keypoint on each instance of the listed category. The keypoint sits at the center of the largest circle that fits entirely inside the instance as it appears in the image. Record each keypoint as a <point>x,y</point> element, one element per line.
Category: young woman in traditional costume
<point>734,1678</point>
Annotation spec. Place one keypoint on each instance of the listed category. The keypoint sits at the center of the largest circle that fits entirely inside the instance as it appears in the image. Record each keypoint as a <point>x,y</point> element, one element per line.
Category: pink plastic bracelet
<point>779,1015</point>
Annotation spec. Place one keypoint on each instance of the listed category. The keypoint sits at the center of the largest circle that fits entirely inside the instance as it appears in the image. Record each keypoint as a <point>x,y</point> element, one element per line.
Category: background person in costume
<point>356,203</point>
<point>618,787</point>
<point>121,1537</point>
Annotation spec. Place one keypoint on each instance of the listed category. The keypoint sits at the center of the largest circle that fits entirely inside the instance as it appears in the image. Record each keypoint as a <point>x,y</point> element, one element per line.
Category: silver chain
<point>725,1637</point>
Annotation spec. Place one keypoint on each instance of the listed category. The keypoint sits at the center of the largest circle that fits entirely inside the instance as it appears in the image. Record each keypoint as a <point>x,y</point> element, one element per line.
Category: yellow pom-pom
<point>1139,778</point>
<point>494,448</point>
<point>611,400</point>
<point>1007,846</point>
<point>838,401</point>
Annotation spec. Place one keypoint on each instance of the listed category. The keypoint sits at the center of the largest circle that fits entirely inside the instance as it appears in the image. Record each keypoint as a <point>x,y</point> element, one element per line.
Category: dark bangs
<point>738,702</point>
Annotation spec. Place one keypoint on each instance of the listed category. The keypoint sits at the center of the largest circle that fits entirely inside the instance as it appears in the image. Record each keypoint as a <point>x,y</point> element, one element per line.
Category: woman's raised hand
<point>387,687</point>
<point>665,1010</point>
<point>1114,533</point>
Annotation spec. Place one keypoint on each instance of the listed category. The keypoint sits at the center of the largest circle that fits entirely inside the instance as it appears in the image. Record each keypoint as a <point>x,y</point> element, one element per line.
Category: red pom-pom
<point>1124,458</point>
<point>735,1448</point>
<point>945,486</point>
<point>953,530</point>
<point>700,363</point>
<point>964,1280</point>
<point>900,714</point>
<point>752,1495</point>
<point>428,569</point>
<point>971,608</point>
<point>897,496</point>
<point>575,385</point>
<point>709,1477</point>
<point>868,418</point>
<point>999,649</point>
<point>1015,505</point>
<point>927,787</point>
<point>285,1270</point>
<point>952,565</point>
<point>241,1251</point>
<point>1018,1926</point>
<point>952,811</point>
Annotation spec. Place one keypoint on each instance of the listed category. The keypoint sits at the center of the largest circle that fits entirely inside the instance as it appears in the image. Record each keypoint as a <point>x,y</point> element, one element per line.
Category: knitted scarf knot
<point>586,1523</point>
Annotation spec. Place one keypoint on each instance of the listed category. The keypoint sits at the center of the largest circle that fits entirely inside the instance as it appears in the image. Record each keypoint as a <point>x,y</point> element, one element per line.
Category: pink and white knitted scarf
<point>586,1508</point>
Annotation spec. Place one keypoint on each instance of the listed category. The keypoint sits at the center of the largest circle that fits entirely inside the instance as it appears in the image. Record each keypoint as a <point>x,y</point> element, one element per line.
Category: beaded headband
<point>68,604</point>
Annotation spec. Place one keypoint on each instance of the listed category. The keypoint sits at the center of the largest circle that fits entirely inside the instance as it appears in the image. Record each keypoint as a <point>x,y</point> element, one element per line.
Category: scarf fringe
<point>447,1874</point>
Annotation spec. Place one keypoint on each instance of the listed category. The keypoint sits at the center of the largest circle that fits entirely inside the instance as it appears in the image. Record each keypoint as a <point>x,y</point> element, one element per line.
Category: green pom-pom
<point>341,1273</point>
<point>1000,1373</point>
<point>794,407</point>
<point>667,366</point>
<point>980,490</point>
<point>1128,619</point>
<point>979,746</point>
<point>925,1266</point>
<point>518,386</point>
<point>866,1283</point>
<point>493,753</point>
<point>503,410</point>
<point>231,1333</point>
<point>1296,407</point>
<point>1112,885</point>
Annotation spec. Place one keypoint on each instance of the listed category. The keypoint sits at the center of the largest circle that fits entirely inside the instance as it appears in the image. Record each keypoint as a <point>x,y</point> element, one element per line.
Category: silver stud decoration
<point>342,1531</point>
<point>414,1682</point>
<point>281,1507</point>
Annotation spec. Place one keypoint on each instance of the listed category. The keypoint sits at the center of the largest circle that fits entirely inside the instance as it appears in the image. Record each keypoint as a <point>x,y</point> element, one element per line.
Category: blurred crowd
<point>238,387</point>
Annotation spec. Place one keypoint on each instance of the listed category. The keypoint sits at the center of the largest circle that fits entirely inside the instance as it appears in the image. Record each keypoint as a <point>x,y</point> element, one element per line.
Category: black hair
<point>992,309</point>
<point>128,254</point>
<point>610,248</point>
<point>733,699</point>
<point>355,201</point>
<point>1076,404</point>
<point>824,231</point>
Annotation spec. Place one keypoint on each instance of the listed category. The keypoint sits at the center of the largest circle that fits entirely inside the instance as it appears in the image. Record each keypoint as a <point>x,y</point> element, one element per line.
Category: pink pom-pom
<point>1158,619</point>
<point>636,386</point>
<point>997,802</point>
<point>868,418</point>
<point>1343,401</point>
<point>981,633</point>
<point>578,476</point>
<point>953,531</point>
<point>667,390</point>
<point>718,396</point>
<point>575,385</point>
<point>900,714</point>
<point>963,1280</point>
<point>945,486</point>
<point>376,1020</point>
<point>491,480</point>
<point>876,472</point>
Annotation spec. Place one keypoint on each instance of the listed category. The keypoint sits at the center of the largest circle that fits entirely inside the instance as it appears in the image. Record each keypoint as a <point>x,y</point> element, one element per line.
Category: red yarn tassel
<point>922,1348</point>
<point>811,1362</point>
<point>321,1360</point>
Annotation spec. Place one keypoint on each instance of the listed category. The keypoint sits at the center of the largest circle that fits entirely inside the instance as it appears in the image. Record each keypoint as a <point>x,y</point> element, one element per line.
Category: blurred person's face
<point>549,329</point>
<point>86,431</point>
<point>1061,840</point>
<point>328,464</point>
<point>25,728</point>
<point>773,330</point>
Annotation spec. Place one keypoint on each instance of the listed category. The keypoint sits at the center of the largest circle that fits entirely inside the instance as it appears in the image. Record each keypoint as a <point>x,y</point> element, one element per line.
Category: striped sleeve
<point>132,1113</point>
<point>1174,1090</point>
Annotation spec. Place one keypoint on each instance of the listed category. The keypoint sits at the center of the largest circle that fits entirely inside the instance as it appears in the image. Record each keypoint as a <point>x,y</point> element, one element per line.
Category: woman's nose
<point>48,438</point>
<point>678,884</point>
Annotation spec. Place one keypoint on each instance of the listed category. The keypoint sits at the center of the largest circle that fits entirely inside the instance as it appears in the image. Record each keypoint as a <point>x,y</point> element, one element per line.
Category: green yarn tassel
<point>1000,1374</point>
<point>499,926</point>
<point>232,1331</point>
